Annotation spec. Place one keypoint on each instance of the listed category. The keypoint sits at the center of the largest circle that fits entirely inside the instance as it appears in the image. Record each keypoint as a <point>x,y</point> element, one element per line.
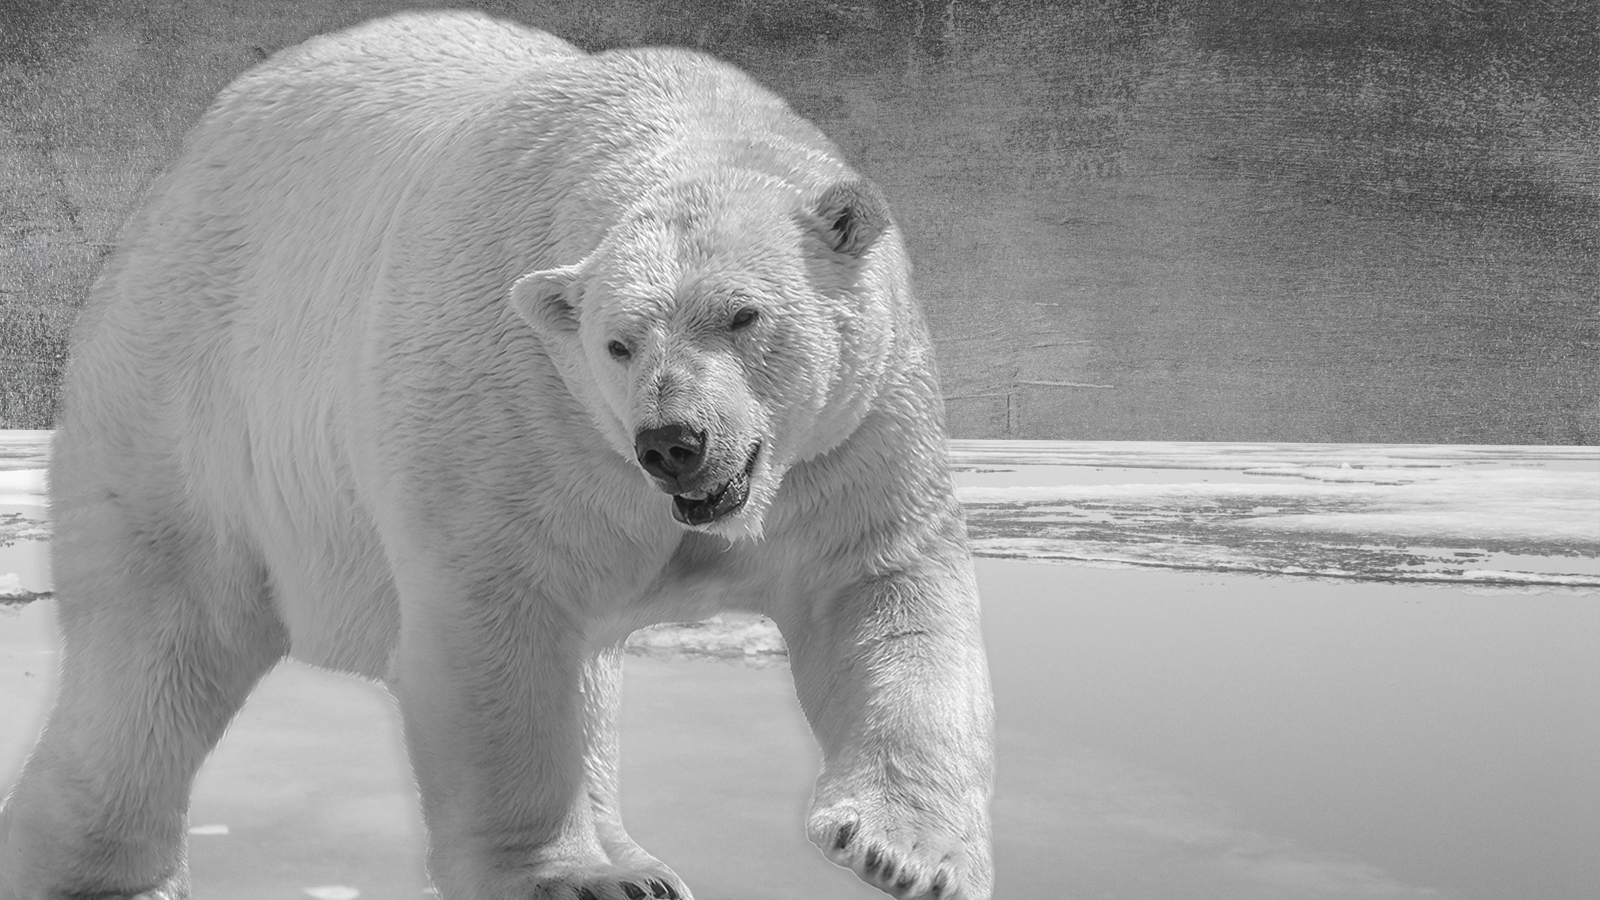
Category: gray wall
<point>1296,220</point>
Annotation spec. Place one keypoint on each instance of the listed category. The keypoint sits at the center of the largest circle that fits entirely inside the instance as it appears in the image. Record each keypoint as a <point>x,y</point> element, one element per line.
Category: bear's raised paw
<point>632,889</point>
<point>899,859</point>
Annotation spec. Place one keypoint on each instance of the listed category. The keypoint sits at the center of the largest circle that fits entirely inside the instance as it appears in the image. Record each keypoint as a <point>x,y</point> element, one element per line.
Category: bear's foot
<point>894,849</point>
<point>609,882</point>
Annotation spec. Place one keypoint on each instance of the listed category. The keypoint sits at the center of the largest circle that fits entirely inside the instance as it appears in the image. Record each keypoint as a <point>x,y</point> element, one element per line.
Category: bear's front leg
<point>892,676</point>
<point>509,724</point>
<point>602,703</point>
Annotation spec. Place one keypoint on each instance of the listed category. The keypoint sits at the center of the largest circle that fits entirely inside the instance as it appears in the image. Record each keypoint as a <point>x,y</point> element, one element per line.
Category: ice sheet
<point>1507,517</point>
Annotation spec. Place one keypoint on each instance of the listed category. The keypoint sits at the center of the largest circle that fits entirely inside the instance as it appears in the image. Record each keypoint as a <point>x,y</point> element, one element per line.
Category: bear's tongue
<point>710,507</point>
<point>703,507</point>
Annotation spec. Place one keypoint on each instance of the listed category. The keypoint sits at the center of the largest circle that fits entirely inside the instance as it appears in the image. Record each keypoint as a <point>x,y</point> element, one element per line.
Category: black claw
<point>888,870</point>
<point>842,840</point>
<point>659,889</point>
<point>672,892</point>
<point>633,891</point>
<point>871,862</point>
<point>586,894</point>
<point>905,882</point>
<point>940,882</point>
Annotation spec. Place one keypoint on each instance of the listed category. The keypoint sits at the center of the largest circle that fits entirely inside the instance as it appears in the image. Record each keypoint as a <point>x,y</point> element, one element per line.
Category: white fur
<point>345,393</point>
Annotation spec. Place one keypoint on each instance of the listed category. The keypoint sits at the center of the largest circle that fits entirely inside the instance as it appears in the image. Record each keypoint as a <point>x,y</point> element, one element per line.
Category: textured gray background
<point>1296,220</point>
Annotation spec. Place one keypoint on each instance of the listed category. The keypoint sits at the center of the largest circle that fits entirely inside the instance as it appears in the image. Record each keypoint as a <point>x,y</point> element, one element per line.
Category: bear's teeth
<point>695,495</point>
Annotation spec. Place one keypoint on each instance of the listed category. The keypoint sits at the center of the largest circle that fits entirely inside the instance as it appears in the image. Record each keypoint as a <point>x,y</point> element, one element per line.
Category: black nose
<point>671,451</point>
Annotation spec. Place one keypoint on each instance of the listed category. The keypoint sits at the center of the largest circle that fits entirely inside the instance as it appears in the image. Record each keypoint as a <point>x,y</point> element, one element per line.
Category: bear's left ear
<point>542,298</point>
<point>850,216</point>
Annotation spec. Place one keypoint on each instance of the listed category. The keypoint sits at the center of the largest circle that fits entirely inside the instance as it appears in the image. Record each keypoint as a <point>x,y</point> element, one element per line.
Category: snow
<point>332,892</point>
<point>744,638</point>
<point>1513,516</point>
<point>22,487</point>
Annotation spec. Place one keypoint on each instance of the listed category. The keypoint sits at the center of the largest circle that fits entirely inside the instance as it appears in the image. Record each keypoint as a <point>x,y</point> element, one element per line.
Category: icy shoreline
<point>1507,516</point>
<point>1483,517</point>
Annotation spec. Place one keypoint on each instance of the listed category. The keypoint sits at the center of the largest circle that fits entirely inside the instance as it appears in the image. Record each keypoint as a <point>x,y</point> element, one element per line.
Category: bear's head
<point>725,329</point>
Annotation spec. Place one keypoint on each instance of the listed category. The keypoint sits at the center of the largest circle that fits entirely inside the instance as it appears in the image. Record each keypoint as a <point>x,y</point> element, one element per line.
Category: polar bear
<point>449,355</point>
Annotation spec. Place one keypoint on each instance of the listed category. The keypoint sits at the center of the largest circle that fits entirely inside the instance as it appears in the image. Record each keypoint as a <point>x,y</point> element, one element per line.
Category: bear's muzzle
<point>674,455</point>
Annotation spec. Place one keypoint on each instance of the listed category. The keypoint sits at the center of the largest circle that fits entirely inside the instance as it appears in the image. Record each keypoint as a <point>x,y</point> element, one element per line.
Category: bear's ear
<point>541,298</point>
<point>850,216</point>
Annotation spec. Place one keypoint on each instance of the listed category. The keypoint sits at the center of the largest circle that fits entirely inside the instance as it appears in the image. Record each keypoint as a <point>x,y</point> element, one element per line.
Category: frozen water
<point>1505,516</point>
<point>1221,671</point>
<point>1477,515</point>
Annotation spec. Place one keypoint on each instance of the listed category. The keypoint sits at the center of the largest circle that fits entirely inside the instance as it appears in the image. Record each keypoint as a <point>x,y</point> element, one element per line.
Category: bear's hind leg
<point>165,631</point>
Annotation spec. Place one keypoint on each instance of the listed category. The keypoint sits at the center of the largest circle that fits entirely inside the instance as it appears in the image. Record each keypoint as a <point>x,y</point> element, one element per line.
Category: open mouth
<point>705,507</point>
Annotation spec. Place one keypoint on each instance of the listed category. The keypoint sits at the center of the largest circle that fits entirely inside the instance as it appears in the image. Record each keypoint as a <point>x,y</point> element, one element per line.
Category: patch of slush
<point>332,892</point>
<point>744,638</point>
<point>13,593</point>
<point>16,525</point>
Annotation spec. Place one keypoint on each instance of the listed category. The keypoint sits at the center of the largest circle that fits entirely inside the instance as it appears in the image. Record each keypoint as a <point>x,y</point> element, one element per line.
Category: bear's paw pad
<point>613,883</point>
<point>895,859</point>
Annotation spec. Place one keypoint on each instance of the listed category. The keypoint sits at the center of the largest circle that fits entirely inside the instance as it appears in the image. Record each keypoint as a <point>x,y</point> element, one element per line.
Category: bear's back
<point>235,329</point>
<point>236,285</point>
<point>292,194</point>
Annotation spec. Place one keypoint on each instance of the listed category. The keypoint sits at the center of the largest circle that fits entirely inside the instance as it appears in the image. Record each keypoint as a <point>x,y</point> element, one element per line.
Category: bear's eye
<point>742,319</point>
<point>618,350</point>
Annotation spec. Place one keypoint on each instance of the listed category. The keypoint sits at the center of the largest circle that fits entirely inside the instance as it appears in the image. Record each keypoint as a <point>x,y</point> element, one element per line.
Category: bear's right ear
<point>850,216</point>
<point>541,298</point>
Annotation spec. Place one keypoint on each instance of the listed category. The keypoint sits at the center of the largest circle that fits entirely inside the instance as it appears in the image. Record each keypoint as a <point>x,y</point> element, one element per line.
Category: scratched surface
<point>1257,220</point>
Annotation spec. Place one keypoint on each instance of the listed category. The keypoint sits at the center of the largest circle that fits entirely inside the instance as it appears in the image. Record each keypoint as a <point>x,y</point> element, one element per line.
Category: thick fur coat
<point>448,355</point>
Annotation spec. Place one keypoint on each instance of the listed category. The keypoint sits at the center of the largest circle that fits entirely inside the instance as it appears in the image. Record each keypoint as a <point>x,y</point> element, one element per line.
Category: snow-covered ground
<point>1476,515</point>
